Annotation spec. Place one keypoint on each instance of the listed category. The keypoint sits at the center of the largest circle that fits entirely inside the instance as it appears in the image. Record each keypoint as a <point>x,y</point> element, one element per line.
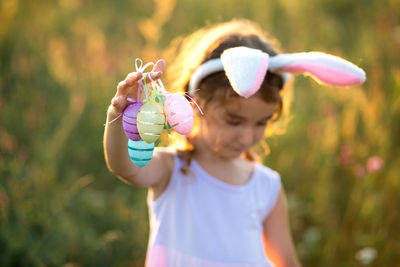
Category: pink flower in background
<point>374,164</point>
<point>346,155</point>
<point>359,171</point>
<point>328,110</point>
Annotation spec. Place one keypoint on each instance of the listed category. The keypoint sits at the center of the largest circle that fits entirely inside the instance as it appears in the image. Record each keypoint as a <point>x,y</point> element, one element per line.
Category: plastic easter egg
<point>129,117</point>
<point>140,152</point>
<point>150,121</point>
<point>179,113</point>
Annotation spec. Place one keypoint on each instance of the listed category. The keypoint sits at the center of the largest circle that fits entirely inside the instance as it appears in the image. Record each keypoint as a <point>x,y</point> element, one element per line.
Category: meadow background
<point>60,62</point>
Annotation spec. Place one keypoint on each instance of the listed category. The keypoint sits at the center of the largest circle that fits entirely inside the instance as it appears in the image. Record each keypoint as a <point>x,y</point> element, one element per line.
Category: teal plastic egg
<point>140,152</point>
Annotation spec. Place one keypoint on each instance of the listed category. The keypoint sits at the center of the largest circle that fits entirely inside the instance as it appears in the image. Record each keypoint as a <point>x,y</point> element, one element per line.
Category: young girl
<point>212,204</point>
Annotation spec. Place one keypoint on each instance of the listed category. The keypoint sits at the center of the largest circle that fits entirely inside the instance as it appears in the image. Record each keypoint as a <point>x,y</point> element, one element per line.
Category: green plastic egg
<point>150,121</point>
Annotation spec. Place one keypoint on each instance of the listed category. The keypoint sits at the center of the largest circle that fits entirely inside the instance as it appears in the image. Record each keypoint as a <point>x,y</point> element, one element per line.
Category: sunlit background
<point>60,62</point>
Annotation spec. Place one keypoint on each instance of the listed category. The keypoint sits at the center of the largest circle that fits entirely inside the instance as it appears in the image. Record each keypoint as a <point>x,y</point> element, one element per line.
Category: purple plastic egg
<point>129,120</point>
<point>179,113</point>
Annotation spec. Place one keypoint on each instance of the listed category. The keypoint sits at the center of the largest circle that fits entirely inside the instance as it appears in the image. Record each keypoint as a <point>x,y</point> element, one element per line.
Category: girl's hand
<point>128,87</point>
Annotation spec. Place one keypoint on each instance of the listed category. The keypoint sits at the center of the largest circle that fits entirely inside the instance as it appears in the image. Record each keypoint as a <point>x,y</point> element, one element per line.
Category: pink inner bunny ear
<point>323,67</point>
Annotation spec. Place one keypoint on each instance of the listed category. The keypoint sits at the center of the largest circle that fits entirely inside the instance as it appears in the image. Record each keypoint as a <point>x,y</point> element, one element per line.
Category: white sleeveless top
<point>199,221</point>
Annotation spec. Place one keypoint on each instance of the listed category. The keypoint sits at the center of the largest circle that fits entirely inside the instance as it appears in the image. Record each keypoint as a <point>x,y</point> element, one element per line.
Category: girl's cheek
<point>260,134</point>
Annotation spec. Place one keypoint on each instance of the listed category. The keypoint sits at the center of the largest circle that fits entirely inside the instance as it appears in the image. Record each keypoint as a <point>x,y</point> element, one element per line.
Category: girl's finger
<point>135,76</point>
<point>121,85</point>
<point>122,88</point>
<point>119,103</point>
<point>159,66</point>
<point>157,71</point>
<point>129,84</point>
<point>154,76</point>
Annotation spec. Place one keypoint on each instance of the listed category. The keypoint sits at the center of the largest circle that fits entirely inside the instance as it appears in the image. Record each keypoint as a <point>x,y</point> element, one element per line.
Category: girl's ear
<point>324,68</point>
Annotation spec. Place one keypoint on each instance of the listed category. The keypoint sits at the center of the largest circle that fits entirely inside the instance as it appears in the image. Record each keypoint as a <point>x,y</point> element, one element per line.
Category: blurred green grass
<point>60,63</point>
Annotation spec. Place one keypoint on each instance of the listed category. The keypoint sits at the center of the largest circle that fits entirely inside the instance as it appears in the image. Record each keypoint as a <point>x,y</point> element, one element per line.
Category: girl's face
<point>227,130</point>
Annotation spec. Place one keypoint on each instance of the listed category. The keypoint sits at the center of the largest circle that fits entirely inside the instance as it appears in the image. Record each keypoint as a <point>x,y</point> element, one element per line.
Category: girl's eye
<point>233,122</point>
<point>262,123</point>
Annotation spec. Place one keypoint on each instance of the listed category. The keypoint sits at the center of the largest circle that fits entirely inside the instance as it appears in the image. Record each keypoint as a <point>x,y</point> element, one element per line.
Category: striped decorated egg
<point>140,152</point>
<point>129,120</point>
<point>150,121</point>
<point>179,113</point>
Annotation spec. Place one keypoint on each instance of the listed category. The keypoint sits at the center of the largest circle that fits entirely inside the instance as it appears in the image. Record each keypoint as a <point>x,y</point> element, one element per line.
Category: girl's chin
<point>236,151</point>
<point>229,154</point>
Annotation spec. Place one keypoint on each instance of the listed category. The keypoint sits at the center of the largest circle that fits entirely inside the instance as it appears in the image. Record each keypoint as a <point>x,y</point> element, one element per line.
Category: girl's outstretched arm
<point>115,141</point>
<point>277,237</point>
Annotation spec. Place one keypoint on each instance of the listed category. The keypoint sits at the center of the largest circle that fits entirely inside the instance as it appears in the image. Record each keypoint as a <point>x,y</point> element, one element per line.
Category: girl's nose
<point>246,136</point>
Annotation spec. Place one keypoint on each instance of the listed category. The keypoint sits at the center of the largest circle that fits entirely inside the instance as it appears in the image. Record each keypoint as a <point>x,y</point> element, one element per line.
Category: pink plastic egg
<point>179,113</point>
<point>129,120</point>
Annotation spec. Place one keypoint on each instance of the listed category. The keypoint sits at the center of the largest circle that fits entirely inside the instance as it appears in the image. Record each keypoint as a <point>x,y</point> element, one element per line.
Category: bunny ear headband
<point>246,69</point>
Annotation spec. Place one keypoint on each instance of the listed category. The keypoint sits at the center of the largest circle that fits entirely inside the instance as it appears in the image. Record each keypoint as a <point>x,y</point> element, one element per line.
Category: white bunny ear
<point>322,67</point>
<point>245,68</point>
